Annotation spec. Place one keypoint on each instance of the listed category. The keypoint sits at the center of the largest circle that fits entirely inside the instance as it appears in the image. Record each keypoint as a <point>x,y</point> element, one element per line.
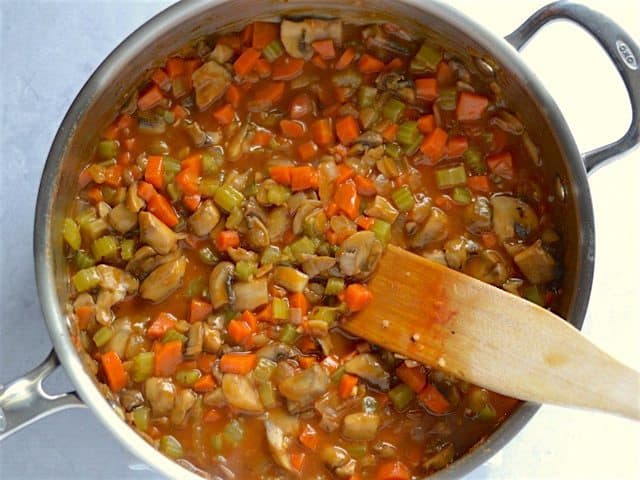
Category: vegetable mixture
<point>232,214</point>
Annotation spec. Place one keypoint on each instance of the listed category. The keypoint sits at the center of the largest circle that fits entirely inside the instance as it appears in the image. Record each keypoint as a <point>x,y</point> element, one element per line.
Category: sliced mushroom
<point>155,233</point>
<point>457,251</point>
<point>220,283</point>
<point>212,339</point>
<point>290,278</point>
<point>210,81</point>
<point>438,456</point>
<point>278,222</point>
<point>131,399</point>
<point>195,340</point>
<point>258,234</point>
<point>305,386</point>
<point>297,37</point>
<point>316,265</point>
<point>250,295</point>
<point>358,255</point>
<point>338,461</point>
<point>381,208</point>
<point>477,216</point>
<point>281,429</point>
<point>513,218</point>
<point>488,266</point>
<point>145,260</point>
<point>185,400</point>
<point>368,367</point>
<point>434,230</point>
<point>303,211</point>
<point>133,201</point>
<point>161,394</point>
<point>361,426</point>
<point>241,394</point>
<point>120,338</point>
<point>204,219</point>
<point>276,351</point>
<point>536,264</point>
<point>114,284</point>
<point>164,280</point>
<point>122,219</point>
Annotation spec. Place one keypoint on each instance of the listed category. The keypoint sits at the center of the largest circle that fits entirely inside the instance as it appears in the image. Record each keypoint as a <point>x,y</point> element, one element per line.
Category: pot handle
<point>24,400</point>
<point>621,49</point>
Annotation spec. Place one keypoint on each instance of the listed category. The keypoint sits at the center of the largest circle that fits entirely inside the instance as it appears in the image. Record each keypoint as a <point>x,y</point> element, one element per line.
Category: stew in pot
<point>232,214</point>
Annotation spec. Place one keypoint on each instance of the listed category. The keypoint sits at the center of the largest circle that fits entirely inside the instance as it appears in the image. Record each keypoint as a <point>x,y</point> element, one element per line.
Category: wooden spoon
<point>489,337</point>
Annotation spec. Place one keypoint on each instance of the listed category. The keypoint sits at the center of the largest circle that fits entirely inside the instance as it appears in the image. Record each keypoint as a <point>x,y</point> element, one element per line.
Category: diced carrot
<point>232,40</point>
<point>150,98</point>
<point>247,34</point>
<point>415,377</point>
<point>193,162</point>
<point>331,209</point>
<point>343,94</point>
<point>154,173</point>
<point>389,132</point>
<point>191,202</point>
<point>444,202</point>
<point>370,64</point>
<point>307,151</point>
<point>287,68</point>
<point>331,363</point>
<point>364,186</point>
<point>146,191</point>
<point>303,178</point>
<point>261,138</point>
<point>444,74</point>
<point>433,399</point>
<point>345,172</point>
<point>426,124</point>
<point>301,106</point>
<point>364,222</point>
<point>233,95</point>
<point>188,181</point>
<point>427,88</point>
<point>245,62</point>
<point>292,128</point>
<point>191,65</point>
<point>179,111</point>
<point>501,164</point>
<point>306,362</point>
<point>270,93</point>
<point>322,132</point>
<point>161,323</point>
<point>479,183</point>
<point>161,208</point>
<point>227,239</point>
<point>263,68</point>
<point>95,195</point>
<point>347,129</point>
<point>240,363</point>
<point>211,416</point>
<point>299,300</point>
<point>85,314</point>
<point>433,146</point>
<point>225,114</point>
<point>238,330</point>
<point>347,384</point>
<point>345,59</point>
<point>393,470</point>
<point>111,132</point>
<point>319,62</point>
<point>114,371</point>
<point>160,78</point>
<point>264,33</point>
<point>266,314</point>
<point>281,174</point>
<point>204,384</point>
<point>306,344</point>
<point>124,159</point>
<point>167,357</point>
<point>175,67</point>
<point>113,176</point>
<point>297,460</point>
<point>205,362</point>
<point>199,310</point>
<point>357,297</point>
<point>324,48</point>
<point>456,146</point>
<point>394,64</point>
<point>347,199</point>
<point>489,239</point>
<point>471,106</point>
<point>309,437</point>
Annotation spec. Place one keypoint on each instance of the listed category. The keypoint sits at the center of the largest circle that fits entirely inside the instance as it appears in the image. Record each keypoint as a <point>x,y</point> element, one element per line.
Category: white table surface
<point>47,51</point>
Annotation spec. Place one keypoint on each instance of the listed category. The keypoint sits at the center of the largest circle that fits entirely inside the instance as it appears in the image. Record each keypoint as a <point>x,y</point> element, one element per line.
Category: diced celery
<point>234,219</point>
<point>174,192</point>
<point>228,198</point>
<point>233,432</point>
<point>217,442</point>
<point>473,160</point>
<point>280,308</point>
<point>83,260</point>
<point>461,195</point>
<point>301,247</point>
<point>94,229</point>
<point>288,334</point>
<point>326,314</point>
<point>451,177</point>
<point>407,133</point>
<point>334,286</point>
<point>142,366</point>
<point>273,50</point>
<point>207,256</point>
<point>208,186</point>
<point>270,255</point>
<point>264,369</point>
<point>393,109</point>
<point>169,117</point>
<point>71,233</point>
<point>427,58</point>
<point>403,198</point>
<point>209,164</point>
<point>382,230</point>
<point>245,269</point>
<point>413,147</point>
<point>86,279</point>
<point>172,335</point>
<point>356,449</point>
<point>267,394</point>
<point>533,294</point>
<point>108,148</point>
<point>127,248</point>
<point>196,287</point>
<point>366,96</point>
<point>102,336</point>
<point>104,247</point>
<point>393,150</point>
<point>188,377</point>
<point>277,194</point>
<point>401,396</point>
<point>141,417</point>
<point>170,446</point>
<point>447,98</point>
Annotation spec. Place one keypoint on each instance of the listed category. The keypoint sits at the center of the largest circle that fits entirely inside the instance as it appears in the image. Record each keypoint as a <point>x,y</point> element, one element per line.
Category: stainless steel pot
<point>24,400</point>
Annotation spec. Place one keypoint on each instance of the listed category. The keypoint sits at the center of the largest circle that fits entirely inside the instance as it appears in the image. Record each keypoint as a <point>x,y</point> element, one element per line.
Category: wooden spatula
<point>489,337</point>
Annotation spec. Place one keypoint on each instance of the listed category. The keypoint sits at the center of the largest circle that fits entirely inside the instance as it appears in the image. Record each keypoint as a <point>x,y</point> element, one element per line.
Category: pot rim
<point>131,47</point>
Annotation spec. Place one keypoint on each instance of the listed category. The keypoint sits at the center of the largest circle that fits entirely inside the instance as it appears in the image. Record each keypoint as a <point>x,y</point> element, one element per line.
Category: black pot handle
<point>622,50</point>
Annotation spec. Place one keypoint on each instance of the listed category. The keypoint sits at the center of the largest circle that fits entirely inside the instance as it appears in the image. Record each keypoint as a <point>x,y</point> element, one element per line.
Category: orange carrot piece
<point>471,106</point>
<point>225,114</point>
<point>247,34</point>
<point>204,384</point>
<point>309,437</point>
<point>345,59</point>
<point>501,164</point>
<point>245,62</point>
<point>319,62</point>
<point>324,48</point>
<point>270,93</point>
<point>114,371</point>
<point>347,384</point>
<point>199,310</point>
<point>444,74</point>
<point>85,314</point>
<point>434,145</point>
<point>292,128</point>
<point>364,186</point>
<point>238,330</point>
<point>489,239</point>
<point>264,33</point>
<point>479,183</point>
<point>345,172</point>
<point>287,68</point>
<point>167,358</point>
<point>146,191</point>
<point>240,363</point>
<point>227,239</point>
<point>357,297</point>
<point>347,129</point>
<point>233,95</point>
<point>282,175</point>
<point>370,64</point>
<point>393,470</point>
<point>299,300</point>
<point>263,68</point>
<point>427,88</point>
<point>297,460</point>
<point>95,195</point>
<point>261,138</point>
<point>154,173</point>
<point>161,323</point>
<point>322,132</point>
<point>205,362</point>
<point>415,377</point>
<point>301,106</point>
<point>113,176</point>
<point>188,181</point>
<point>179,111</point>
<point>433,399</point>
<point>426,123</point>
<point>347,199</point>
<point>331,209</point>
<point>303,178</point>
<point>456,146</point>
<point>211,416</point>
<point>175,67</point>
<point>364,222</point>
<point>395,64</point>
<point>193,162</point>
<point>191,202</point>
<point>160,78</point>
<point>306,362</point>
<point>389,132</point>
<point>150,98</point>
<point>161,208</point>
<point>250,319</point>
<point>307,150</point>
